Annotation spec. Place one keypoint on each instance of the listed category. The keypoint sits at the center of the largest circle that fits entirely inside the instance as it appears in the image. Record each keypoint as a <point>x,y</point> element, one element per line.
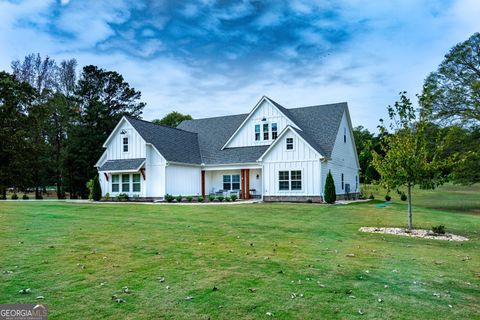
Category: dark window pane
<point>227,186</point>
<point>136,187</point>
<point>283,185</point>
<point>236,186</point>
<point>297,175</point>
<point>283,175</point>
<point>235,178</point>
<point>297,185</point>
<point>115,187</point>
<point>265,131</point>
<point>227,178</point>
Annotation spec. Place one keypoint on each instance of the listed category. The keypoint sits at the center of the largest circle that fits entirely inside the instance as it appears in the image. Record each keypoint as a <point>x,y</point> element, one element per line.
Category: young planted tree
<point>95,189</point>
<point>407,160</point>
<point>330,195</point>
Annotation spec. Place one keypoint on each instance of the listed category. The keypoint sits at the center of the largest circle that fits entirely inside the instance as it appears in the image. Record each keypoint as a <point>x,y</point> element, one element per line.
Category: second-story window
<point>265,131</point>
<point>257,132</point>
<point>274,131</point>
<point>344,135</point>
<point>289,142</point>
<point>125,144</point>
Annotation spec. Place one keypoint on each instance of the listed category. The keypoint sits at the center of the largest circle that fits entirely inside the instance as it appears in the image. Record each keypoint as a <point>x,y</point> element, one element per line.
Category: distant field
<point>449,197</point>
<point>78,255</point>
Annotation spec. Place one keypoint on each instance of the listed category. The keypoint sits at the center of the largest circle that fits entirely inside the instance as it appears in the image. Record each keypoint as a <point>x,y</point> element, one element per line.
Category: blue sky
<point>210,58</point>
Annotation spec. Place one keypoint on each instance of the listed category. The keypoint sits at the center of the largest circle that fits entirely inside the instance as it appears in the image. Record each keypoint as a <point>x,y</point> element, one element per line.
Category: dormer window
<point>265,131</point>
<point>125,144</point>
<point>274,131</point>
<point>289,144</point>
<point>257,132</point>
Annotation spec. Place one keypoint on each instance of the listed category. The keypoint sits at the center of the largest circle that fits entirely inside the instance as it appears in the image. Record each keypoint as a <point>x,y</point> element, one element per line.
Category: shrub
<point>211,198</point>
<point>309,201</point>
<point>25,197</point>
<point>169,197</point>
<point>14,196</point>
<point>200,199</point>
<point>371,197</point>
<point>403,197</point>
<point>107,196</point>
<point>388,198</point>
<point>95,191</point>
<point>330,193</point>
<point>220,198</point>
<point>39,197</point>
<point>440,229</point>
<point>179,198</point>
<point>189,198</point>
<point>228,199</point>
<point>122,197</point>
<point>234,197</point>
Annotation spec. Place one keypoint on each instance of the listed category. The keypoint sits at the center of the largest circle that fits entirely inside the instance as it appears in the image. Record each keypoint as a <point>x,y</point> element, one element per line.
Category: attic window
<point>125,144</point>
<point>265,131</point>
<point>344,135</point>
<point>274,131</point>
<point>257,132</point>
<point>289,142</point>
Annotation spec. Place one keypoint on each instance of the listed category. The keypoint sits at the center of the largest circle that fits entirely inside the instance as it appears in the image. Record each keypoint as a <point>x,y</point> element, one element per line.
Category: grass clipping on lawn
<point>416,233</point>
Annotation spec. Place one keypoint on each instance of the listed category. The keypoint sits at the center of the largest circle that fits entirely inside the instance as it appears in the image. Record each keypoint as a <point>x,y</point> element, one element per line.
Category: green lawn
<point>64,251</point>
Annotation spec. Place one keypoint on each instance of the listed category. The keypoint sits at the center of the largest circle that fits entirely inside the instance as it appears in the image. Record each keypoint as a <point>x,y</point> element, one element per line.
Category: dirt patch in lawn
<point>416,233</point>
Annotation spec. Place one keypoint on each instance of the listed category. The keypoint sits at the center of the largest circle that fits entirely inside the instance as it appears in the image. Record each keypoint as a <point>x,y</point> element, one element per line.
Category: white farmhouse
<point>272,153</point>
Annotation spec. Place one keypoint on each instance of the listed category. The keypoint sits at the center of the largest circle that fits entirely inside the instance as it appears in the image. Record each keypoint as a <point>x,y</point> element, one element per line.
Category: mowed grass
<point>64,251</point>
<point>449,197</point>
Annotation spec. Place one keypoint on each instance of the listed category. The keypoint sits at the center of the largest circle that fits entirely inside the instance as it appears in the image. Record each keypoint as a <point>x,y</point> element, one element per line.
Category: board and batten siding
<point>343,160</point>
<point>183,180</point>
<point>136,144</point>
<point>246,135</point>
<point>302,158</point>
<point>155,173</point>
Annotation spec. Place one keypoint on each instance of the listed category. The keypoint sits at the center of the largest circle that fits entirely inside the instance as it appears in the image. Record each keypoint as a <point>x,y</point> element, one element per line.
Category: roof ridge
<point>225,116</point>
<point>160,125</point>
<point>318,105</point>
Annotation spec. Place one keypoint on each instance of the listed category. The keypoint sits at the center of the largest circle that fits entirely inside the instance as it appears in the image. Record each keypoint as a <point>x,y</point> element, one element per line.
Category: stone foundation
<point>315,199</point>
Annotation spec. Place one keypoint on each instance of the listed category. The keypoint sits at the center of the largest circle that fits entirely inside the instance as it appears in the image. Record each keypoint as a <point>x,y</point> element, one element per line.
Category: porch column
<point>247,188</point>
<point>242,184</point>
<point>203,184</point>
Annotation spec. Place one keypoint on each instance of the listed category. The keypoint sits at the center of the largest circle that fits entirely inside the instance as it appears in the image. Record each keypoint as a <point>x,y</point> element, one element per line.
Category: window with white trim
<point>115,183</point>
<point>257,132</point>
<point>283,180</point>
<point>136,186</point>
<point>296,180</point>
<point>125,183</point>
<point>289,143</point>
<point>265,131</point>
<point>274,131</point>
<point>290,180</point>
<point>231,182</point>
<point>125,144</point>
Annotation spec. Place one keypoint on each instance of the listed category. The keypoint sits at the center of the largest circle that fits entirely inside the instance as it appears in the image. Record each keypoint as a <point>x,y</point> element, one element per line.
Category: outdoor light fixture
<point>264,119</point>
<point>123,131</point>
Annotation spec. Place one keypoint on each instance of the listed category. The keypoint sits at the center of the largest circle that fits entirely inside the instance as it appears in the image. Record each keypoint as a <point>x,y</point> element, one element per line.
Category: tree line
<point>53,123</point>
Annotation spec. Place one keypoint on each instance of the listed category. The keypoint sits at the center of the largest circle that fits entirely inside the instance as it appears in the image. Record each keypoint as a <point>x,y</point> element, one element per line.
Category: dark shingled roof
<point>201,140</point>
<point>319,126</point>
<point>174,144</point>
<point>123,164</point>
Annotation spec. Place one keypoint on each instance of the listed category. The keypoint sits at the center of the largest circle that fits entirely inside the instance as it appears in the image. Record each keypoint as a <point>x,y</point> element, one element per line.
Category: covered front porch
<point>244,181</point>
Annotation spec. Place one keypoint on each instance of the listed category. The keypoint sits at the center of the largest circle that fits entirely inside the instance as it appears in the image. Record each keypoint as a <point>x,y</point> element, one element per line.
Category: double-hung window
<point>296,180</point>
<point>290,180</point>
<point>289,142</point>
<point>136,186</point>
<point>257,132</point>
<point>125,144</point>
<point>265,131</point>
<point>125,183</point>
<point>274,131</point>
<point>115,183</point>
<point>231,182</point>
<point>283,180</point>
